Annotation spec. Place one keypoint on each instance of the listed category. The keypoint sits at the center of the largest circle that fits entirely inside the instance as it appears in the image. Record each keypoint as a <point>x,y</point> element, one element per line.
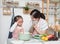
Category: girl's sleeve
<point>13,27</point>
<point>15,33</point>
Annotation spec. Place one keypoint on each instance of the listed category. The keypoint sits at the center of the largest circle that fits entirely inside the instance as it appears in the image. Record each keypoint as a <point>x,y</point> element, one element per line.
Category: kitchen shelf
<point>51,8</point>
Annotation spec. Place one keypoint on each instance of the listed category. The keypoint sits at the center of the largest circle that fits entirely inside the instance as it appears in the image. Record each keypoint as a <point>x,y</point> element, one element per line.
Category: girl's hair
<point>37,14</point>
<point>16,18</point>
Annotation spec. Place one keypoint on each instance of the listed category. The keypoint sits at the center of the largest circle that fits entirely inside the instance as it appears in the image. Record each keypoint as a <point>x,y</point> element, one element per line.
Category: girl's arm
<point>16,33</point>
<point>13,27</point>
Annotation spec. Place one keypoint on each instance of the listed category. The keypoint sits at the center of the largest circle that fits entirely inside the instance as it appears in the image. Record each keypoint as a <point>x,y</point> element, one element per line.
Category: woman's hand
<point>38,30</point>
<point>36,27</point>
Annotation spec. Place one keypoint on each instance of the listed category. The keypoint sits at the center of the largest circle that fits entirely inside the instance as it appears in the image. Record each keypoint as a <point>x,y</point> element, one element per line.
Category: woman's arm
<point>39,31</point>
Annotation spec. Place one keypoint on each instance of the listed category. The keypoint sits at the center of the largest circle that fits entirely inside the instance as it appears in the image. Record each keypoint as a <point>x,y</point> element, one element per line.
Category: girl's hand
<point>18,21</point>
<point>22,30</point>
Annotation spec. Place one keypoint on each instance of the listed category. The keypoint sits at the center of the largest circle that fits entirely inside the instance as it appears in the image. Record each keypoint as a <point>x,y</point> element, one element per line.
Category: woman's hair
<point>37,14</point>
<point>16,18</point>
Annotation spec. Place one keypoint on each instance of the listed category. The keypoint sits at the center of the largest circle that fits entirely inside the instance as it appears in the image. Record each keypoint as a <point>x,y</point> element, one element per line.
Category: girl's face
<point>20,22</point>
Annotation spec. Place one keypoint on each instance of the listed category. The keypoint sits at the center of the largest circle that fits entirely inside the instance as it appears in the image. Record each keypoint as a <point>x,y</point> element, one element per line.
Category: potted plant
<point>26,10</point>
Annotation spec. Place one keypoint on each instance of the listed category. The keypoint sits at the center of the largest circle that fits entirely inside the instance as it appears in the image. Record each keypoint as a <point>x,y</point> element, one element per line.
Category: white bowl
<point>26,36</point>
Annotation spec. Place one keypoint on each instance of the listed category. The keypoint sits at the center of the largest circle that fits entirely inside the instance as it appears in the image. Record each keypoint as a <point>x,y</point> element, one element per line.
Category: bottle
<point>56,34</point>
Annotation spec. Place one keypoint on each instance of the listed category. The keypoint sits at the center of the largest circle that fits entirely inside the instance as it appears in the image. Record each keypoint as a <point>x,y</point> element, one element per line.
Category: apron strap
<point>12,20</point>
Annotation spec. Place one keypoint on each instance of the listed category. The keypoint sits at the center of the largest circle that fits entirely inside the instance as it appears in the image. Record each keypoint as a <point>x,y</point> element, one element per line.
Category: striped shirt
<point>42,24</point>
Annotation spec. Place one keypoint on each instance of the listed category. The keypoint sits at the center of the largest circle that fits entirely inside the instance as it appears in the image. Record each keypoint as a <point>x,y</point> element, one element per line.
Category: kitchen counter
<point>32,41</point>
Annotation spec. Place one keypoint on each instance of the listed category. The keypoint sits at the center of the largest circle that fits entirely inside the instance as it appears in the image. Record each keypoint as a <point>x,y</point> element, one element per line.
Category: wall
<point>4,26</point>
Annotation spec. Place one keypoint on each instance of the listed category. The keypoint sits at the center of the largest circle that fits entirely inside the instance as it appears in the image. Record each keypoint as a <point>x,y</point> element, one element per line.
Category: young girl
<point>17,27</point>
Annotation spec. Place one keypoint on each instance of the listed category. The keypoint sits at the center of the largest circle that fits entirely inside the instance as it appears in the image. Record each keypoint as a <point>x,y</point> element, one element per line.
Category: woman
<point>39,23</point>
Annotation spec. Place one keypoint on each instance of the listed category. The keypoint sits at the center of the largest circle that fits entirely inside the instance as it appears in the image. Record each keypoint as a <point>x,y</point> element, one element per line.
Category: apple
<point>50,36</point>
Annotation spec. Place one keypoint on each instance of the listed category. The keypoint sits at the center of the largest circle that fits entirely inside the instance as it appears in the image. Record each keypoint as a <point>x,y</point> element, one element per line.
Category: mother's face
<point>34,20</point>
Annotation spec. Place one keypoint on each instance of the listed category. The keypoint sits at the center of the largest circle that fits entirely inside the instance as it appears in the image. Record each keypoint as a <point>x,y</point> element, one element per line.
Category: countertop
<point>32,41</point>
